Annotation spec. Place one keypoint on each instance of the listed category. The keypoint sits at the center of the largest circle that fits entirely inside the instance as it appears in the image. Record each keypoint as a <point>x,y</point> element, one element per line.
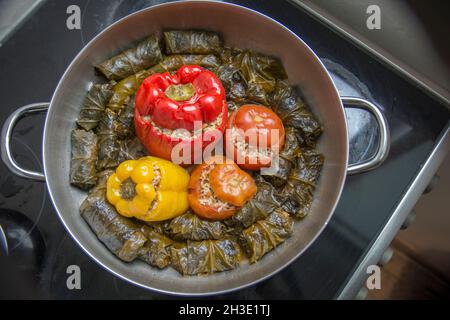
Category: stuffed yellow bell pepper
<point>149,189</point>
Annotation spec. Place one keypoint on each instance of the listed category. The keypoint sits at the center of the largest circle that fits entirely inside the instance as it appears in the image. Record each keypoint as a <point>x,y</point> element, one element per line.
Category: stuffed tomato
<point>254,134</point>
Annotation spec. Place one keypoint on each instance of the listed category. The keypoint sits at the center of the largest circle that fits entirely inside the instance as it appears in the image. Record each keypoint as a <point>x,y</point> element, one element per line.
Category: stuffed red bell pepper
<point>180,108</point>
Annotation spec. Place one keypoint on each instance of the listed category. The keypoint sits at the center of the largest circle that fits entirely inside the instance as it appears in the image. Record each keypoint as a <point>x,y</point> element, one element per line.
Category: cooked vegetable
<point>84,157</point>
<point>169,106</point>
<point>147,208</point>
<point>129,86</point>
<point>259,207</point>
<point>144,55</point>
<point>149,189</point>
<point>121,236</point>
<point>108,141</point>
<point>192,41</point>
<point>94,105</point>
<point>298,192</point>
<point>156,251</point>
<point>260,73</point>
<point>189,226</point>
<point>233,82</point>
<point>265,235</point>
<point>131,149</point>
<point>231,184</point>
<point>250,136</point>
<point>287,159</point>
<point>206,256</point>
<point>216,186</point>
<point>125,120</point>
<point>288,105</point>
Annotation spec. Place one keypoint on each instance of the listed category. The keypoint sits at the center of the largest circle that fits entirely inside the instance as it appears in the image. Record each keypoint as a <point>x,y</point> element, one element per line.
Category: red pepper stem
<point>180,92</point>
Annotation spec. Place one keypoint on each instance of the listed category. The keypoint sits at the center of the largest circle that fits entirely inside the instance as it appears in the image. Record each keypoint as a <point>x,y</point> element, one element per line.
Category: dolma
<point>190,227</point>
<point>108,141</point>
<point>125,120</point>
<point>84,156</point>
<point>144,55</point>
<point>131,149</point>
<point>261,73</point>
<point>121,236</point>
<point>128,86</point>
<point>94,105</point>
<point>259,207</point>
<point>287,159</point>
<point>298,192</point>
<point>208,256</point>
<point>264,235</point>
<point>233,83</point>
<point>156,251</point>
<point>294,112</point>
<point>192,42</point>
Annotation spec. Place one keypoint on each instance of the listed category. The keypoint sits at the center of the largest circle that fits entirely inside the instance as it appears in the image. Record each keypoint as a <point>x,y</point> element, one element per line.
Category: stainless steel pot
<point>243,28</point>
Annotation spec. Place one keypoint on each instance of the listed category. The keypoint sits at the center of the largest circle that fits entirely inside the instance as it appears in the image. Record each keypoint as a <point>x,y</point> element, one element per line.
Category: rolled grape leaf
<point>192,42</point>
<point>144,55</point>
<point>190,227</point>
<point>261,73</point>
<point>125,120</point>
<point>264,235</point>
<point>128,86</point>
<point>94,105</point>
<point>83,172</point>
<point>156,251</point>
<point>208,256</point>
<point>131,149</point>
<point>259,207</point>
<point>294,112</point>
<point>108,141</point>
<point>233,83</point>
<point>297,194</point>
<point>121,236</point>
<point>287,159</point>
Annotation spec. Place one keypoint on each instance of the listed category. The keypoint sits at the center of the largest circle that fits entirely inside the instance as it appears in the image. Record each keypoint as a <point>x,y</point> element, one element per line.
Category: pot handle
<point>385,142</point>
<point>7,131</point>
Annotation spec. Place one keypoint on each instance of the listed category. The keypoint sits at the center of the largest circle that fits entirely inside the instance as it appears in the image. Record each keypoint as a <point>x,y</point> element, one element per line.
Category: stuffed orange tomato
<point>218,188</point>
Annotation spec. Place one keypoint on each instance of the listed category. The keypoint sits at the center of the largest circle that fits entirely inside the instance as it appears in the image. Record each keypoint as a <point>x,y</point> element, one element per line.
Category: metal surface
<point>395,222</point>
<point>6,138</point>
<point>426,83</point>
<point>384,145</point>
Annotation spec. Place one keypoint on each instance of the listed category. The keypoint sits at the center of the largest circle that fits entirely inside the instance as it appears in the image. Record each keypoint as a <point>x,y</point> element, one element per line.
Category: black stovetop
<point>39,248</point>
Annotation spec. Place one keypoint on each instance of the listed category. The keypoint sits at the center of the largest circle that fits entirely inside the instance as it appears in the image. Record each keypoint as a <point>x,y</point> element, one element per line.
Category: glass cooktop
<point>35,249</point>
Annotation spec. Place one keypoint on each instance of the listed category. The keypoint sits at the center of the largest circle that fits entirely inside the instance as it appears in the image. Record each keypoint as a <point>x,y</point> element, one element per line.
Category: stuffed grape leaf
<point>119,234</point>
<point>94,105</point>
<point>298,192</point>
<point>84,156</point>
<point>264,235</point>
<point>144,55</point>
<point>208,256</point>
<point>108,141</point>
<point>259,207</point>
<point>156,251</point>
<point>192,42</point>
<point>287,159</point>
<point>294,112</point>
<point>190,227</point>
